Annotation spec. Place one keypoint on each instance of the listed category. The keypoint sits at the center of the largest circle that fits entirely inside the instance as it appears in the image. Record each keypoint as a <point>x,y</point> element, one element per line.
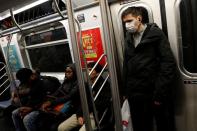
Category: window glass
<point>51,58</point>
<point>52,35</point>
<point>45,50</point>
<point>189,33</point>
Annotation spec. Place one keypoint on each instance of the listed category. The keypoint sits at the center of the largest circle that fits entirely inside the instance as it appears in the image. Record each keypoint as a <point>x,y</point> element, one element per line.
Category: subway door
<point>117,9</point>
<point>154,11</point>
<point>182,30</point>
<point>151,14</point>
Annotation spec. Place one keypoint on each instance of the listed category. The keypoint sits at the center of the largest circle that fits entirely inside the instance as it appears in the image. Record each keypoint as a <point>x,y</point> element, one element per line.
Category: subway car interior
<point>47,36</point>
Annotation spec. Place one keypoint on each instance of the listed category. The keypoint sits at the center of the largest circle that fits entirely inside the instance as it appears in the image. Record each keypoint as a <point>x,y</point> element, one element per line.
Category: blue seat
<point>4,104</point>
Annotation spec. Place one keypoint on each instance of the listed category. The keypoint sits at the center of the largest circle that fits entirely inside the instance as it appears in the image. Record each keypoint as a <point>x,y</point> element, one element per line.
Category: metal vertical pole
<point>107,31</point>
<point>87,76</point>
<point>80,76</point>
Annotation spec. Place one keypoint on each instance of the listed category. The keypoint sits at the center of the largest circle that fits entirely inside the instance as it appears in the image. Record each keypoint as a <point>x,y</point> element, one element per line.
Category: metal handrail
<point>101,87</point>
<point>79,72</point>
<point>87,75</point>
<point>2,63</point>
<point>42,21</point>
<point>46,44</point>
<point>14,20</point>
<point>58,9</point>
<point>3,67</point>
<point>92,86</point>
<point>103,115</point>
<point>3,75</point>
<point>7,69</point>
<point>5,89</point>
<point>108,39</point>
<point>4,82</point>
<point>97,63</point>
<point>7,80</point>
<point>99,75</point>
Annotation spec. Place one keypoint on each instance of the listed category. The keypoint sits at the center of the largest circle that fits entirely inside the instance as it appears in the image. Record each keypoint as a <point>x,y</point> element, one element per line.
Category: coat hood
<point>154,34</point>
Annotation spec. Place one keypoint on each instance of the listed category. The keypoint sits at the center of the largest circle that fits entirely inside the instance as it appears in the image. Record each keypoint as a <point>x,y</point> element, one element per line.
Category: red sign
<point>92,45</point>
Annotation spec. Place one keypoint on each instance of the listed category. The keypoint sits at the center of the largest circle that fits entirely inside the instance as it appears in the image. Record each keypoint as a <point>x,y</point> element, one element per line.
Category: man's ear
<point>139,18</point>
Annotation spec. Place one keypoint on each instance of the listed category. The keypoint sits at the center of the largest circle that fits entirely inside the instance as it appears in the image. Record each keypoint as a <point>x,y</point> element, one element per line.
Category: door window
<point>188,20</point>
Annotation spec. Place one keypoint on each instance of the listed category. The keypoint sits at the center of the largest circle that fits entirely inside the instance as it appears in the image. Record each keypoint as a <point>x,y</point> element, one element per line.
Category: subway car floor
<point>5,122</point>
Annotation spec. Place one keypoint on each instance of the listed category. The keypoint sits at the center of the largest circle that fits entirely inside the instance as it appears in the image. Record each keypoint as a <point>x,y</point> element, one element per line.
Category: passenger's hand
<point>80,120</point>
<point>13,95</point>
<point>124,98</point>
<point>24,111</point>
<point>15,99</point>
<point>157,103</point>
<point>45,106</point>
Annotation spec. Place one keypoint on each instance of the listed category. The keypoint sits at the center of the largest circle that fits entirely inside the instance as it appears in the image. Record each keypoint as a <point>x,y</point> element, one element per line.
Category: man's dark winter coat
<point>148,68</point>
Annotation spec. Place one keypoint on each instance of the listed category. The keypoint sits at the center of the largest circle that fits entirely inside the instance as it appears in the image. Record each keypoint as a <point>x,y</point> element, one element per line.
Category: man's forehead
<point>129,17</point>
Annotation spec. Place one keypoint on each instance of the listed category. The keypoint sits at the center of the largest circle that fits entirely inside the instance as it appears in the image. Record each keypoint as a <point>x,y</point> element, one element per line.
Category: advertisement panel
<point>92,45</point>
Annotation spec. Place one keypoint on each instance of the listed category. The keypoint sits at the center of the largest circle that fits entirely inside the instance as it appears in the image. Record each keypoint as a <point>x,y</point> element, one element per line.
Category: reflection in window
<point>189,33</point>
<point>52,35</point>
<point>46,52</point>
<point>51,58</point>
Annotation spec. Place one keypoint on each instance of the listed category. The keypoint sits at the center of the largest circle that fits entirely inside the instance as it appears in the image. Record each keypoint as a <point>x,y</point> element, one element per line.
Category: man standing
<point>148,70</point>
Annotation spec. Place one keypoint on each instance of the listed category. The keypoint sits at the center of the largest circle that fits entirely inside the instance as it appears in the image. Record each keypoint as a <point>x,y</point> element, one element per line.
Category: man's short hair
<point>98,68</point>
<point>136,11</point>
<point>24,74</point>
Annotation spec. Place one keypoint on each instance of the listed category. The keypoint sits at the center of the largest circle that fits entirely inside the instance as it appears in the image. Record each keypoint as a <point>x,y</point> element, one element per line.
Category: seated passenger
<point>67,95</point>
<point>102,102</point>
<point>18,93</point>
<point>68,90</point>
<point>30,96</point>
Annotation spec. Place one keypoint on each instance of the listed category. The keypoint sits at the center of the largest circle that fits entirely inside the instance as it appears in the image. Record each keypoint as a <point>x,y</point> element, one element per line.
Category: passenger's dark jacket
<point>35,95</point>
<point>103,100</point>
<point>149,68</point>
<point>69,91</point>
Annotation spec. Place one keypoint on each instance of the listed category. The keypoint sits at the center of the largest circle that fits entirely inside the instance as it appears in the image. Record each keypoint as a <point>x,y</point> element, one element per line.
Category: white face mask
<point>130,26</point>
